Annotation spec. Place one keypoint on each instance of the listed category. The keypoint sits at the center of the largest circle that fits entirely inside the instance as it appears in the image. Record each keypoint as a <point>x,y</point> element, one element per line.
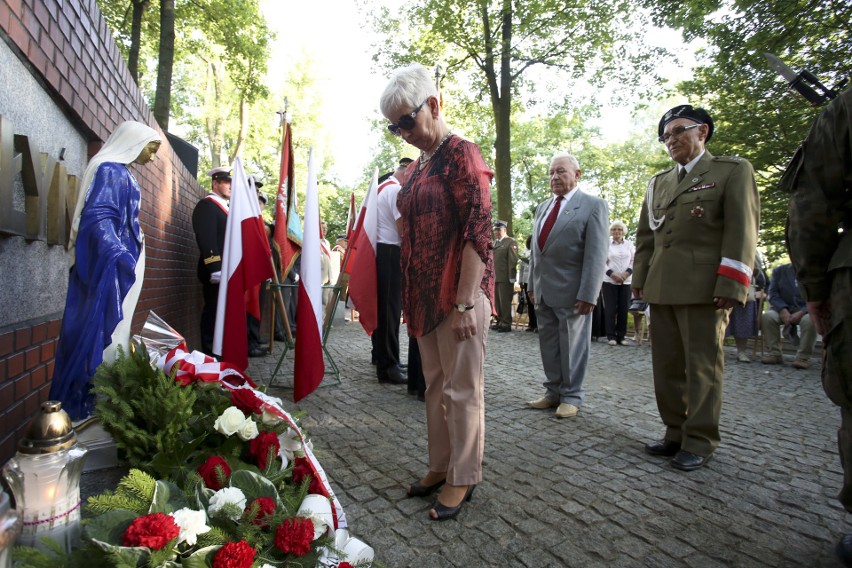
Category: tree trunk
<point>139,9</point>
<point>163,96</point>
<point>503,122</point>
<point>214,117</point>
<point>244,124</point>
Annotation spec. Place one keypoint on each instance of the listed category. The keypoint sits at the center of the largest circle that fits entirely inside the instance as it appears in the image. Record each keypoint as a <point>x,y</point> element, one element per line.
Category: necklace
<point>425,158</point>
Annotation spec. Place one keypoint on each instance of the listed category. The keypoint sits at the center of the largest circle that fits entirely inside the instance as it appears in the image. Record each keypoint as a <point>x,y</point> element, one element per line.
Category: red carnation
<point>260,511</point>
<point>295,536</point>
<point>215,472</point>
<point>234,555</point>
<point>246,400</point>
<point>302,469</point>
<point>154,531</point>
<point>345,565</point>
<point>260,448</point>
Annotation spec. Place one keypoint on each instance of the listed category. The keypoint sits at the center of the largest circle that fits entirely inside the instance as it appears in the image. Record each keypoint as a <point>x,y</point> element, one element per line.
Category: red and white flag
<point>361,265</point>
<point>309,365</point>
<point>245,264</point>
<point>286,235</point>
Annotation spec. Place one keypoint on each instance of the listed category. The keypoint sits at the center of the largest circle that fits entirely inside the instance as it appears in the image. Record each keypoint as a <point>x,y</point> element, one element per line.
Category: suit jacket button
<point>669,232</point>
<point>667,245</point>
<point>671,217</point>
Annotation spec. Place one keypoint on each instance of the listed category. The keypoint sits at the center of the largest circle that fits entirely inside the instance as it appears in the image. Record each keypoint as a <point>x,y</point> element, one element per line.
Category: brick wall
<point>68,49</point>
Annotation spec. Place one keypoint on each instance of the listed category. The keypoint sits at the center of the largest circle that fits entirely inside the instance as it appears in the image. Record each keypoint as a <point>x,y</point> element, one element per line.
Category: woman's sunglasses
<point>406,121</point>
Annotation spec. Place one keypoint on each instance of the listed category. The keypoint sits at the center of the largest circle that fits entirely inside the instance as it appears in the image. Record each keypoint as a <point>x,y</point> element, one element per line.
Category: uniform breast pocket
<point>699,205</point>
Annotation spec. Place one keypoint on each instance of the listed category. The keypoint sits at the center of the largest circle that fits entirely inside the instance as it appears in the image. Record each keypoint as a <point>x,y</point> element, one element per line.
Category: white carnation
<point>225,496</point>
<point>192,523</point>
<point>229,421</point>
<point>248,431</point>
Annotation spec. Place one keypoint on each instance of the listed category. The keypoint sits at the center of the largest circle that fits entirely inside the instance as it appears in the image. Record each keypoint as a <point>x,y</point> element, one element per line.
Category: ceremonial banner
<point>289,240</point>
<point>309,365</point>
<point>361,265</point>
<point>246,262</point>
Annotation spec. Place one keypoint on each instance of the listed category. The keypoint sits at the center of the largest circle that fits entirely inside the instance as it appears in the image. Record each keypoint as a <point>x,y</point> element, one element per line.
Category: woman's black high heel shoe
<point>418,490</point>
<point>444,513</point>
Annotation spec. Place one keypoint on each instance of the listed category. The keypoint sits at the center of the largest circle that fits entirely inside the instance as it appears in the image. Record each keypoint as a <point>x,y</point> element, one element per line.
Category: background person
<point>448,283</point>
<point>743,323</point>
<point>616,283</point>
<point>697,235</point>
<point>505,273</point>
<point>566,271</point>
<point>787,308</point>
<point>108,265</point>
<point>523,280</point>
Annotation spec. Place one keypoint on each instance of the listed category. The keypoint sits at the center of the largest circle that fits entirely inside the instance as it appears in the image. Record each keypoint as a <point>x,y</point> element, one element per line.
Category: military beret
<point>405,161</point>
<point>222,172</point>
<point>500,225</point>
<point>698,115</point>
<point>384,177</point>
<point>258,184</point>
<point>262,197</point>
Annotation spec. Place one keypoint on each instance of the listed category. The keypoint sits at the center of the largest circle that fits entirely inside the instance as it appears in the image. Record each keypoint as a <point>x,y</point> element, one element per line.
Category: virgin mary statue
<point>107,266</point>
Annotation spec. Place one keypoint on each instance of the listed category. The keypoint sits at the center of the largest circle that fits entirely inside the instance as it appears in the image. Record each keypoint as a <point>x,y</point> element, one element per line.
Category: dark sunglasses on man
<point>406,121</point>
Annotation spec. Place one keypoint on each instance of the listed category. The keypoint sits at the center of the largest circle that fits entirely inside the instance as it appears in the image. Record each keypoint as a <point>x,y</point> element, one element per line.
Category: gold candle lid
<point>49,432</point>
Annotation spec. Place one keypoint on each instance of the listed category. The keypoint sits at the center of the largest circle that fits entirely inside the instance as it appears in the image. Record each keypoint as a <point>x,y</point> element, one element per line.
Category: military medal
<point>697,211</point>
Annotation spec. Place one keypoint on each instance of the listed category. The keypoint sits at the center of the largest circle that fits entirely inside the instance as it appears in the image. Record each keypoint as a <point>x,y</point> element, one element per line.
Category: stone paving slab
<point>582,492</point>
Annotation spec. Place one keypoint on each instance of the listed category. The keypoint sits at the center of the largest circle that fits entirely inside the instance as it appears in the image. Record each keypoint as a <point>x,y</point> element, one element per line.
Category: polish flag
<point>309,364</point>
<point>245,264</point>
<point>361,266</point>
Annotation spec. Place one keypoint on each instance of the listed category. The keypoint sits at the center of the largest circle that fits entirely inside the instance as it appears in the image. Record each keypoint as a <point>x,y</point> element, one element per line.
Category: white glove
<point>216,277</point>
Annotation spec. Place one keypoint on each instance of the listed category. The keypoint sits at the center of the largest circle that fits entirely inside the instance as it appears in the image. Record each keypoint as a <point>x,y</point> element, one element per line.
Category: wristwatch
<point>462,308</point>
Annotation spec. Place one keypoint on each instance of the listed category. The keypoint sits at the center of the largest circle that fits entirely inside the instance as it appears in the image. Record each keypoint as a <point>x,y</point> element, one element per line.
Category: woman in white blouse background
<point>616,284</point>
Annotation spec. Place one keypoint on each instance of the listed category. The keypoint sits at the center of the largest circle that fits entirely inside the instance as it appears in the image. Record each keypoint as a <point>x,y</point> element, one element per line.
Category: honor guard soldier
<point>209,219</point>
<point>694,249</point>
<point>818,237</point>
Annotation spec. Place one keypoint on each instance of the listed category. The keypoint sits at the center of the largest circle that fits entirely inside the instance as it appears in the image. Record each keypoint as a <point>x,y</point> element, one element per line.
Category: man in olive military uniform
<point>505,272</point>
<point>694,248</point>
<point>818,237</point>
<point>209,219</point>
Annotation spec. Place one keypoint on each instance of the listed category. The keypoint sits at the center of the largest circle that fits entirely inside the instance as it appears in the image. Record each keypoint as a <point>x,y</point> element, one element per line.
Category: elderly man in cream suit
<point>568,256</point>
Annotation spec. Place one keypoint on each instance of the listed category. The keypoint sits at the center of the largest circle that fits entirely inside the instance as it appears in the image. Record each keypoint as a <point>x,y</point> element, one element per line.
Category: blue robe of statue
<point>108,246</point>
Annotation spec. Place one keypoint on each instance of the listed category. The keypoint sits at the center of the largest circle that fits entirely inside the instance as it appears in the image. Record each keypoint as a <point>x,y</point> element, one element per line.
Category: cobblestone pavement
<point>582,492</point>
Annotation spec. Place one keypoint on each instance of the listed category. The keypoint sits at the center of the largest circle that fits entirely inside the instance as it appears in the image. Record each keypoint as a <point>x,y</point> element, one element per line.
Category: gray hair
<point>408,87</point>
<point>570,157</point>
<point>618,223</point>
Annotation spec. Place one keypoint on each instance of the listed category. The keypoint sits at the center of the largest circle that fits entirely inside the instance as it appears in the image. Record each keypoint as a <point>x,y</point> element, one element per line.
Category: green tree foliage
<point>756,116</point>
<point>490,46</point>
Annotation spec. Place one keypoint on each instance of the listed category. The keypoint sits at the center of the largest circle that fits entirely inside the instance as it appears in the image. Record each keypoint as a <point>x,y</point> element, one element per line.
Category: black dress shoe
<point>843,550</point>
<point>444,513</point>
<point>665,448</point>
<point>504,329</point>
<point>687,461</point>
<point>257,352</point>
<point>392,375</point>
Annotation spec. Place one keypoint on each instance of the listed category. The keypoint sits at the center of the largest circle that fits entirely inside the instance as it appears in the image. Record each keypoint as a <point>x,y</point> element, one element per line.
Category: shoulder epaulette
<point>729,159</point>
<point>658,174</point>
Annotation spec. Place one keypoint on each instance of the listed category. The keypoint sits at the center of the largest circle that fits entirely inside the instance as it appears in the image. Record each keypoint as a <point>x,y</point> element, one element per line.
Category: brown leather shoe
<point>772,360</point>
<point>801,363</point>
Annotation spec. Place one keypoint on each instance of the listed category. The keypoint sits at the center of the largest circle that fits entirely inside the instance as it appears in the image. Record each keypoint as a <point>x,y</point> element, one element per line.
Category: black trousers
<point>416,380</point>
<point>388,287</point>
<point>210,292</point>
<point>616,299</point>
<point>532,322</point>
